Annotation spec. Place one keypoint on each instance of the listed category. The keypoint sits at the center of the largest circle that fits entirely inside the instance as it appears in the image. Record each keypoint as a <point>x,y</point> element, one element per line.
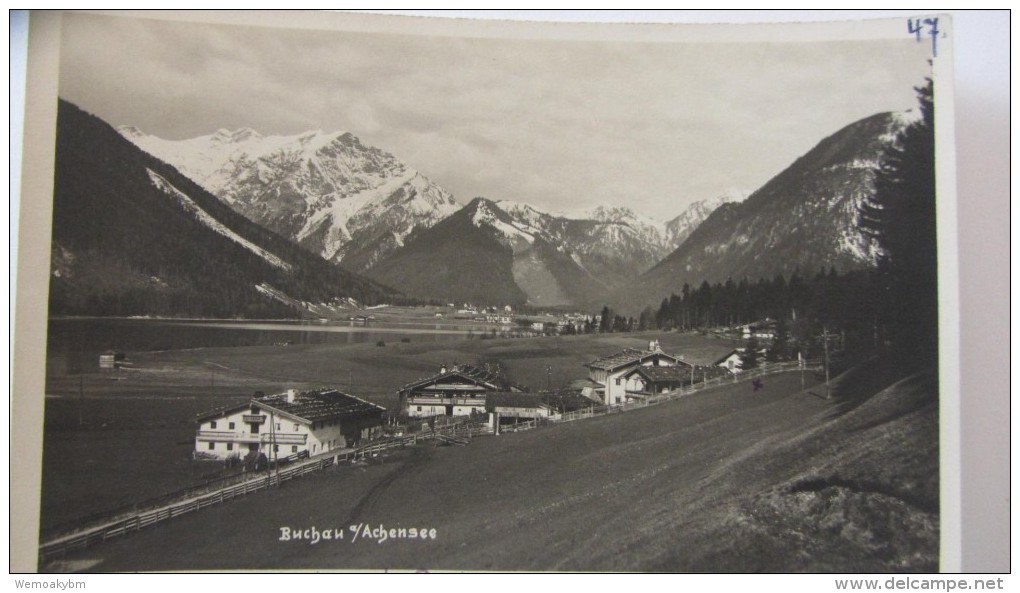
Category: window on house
<point>230,446</point>
<point>277,426</point>
<point>313,448</point>
<point>276,448</point>
<point>296,427</point>
<point>617,380</point>
<point>231,426</point>
<point>419,408</point>
<point>212,446</point>
<point>293,448</point>
<point>212,425</point>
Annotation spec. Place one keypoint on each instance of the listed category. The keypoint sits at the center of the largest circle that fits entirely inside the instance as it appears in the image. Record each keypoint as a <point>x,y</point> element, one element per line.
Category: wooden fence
<point>87,536</point>
<point>651,400</point>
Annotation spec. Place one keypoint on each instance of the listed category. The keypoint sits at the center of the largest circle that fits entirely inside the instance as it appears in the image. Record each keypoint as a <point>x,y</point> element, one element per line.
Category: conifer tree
<point>901,217</point>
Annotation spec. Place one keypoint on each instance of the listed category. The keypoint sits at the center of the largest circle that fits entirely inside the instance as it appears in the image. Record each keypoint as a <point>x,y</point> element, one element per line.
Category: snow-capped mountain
<point>134,236</point>
<point>678,229</point>
<point>805,218</point>
<point>337,197</point>
<point>494,251</point>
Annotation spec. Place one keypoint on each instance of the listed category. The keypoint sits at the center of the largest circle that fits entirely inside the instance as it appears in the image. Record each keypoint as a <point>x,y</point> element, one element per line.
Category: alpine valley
<point>362,209</point>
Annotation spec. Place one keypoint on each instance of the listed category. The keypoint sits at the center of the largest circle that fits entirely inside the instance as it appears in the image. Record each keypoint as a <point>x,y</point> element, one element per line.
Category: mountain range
<point>362,209</point>
<point>357,206</point>
<point>134,236</point>
<point>350,203</point>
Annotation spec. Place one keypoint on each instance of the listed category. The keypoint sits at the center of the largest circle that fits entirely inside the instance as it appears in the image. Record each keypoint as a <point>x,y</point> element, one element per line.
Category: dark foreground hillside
<point>731,479</point>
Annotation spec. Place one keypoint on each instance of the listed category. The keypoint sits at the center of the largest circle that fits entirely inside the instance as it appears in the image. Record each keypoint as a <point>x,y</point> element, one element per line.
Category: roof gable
<point>654,374</point>
<point>222,412</point>
<point>491,378</point>
<point>629,357</point>
<point>513,399</point>
<point>315,406</point>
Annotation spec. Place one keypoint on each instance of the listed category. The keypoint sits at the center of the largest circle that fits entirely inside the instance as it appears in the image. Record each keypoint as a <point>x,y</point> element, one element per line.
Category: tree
<point>900,216</point>
<point>749,357</point>
<point>779,350</point>
<point>606,324</point>
<point>645,319</point>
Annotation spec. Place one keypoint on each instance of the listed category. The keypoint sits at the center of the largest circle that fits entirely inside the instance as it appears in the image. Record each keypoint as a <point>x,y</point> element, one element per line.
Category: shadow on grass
<point>859,383</point>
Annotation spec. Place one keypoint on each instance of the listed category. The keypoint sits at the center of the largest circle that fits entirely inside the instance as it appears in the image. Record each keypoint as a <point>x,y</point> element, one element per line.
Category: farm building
<point>648,380</point>
<point>731,361</point>
<point>514,405</point>
<point>312,421</point>
<point>111,359</point>
<point>762,330</point>
<point>455,391</point>
<point>609,371</point>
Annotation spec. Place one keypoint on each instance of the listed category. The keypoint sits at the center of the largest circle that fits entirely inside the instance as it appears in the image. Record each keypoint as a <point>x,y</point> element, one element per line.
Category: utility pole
<point>825,336</point>
<point>548,378</point>
<point>800,363</point>
<point>274,455</point>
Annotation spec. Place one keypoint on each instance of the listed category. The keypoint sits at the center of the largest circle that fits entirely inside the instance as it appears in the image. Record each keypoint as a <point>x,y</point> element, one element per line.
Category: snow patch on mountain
<point>485,216</point>
<point>679,228</point>
<point>207,219</point>
<point>326,191</point>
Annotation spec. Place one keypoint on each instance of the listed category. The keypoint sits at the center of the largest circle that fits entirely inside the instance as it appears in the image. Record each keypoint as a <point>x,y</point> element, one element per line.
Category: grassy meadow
<point>134,427</point>
<point>729,479</point>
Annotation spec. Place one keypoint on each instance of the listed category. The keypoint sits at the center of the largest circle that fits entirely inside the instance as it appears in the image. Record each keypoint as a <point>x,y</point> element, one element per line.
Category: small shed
<point>111,359</point>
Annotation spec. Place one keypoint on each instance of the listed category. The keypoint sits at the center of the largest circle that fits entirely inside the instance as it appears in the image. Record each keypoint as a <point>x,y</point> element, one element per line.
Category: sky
<point>562,125</point>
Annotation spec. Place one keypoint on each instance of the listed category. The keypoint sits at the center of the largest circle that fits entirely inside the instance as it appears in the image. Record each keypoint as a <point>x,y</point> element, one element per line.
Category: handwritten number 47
<point>918,27</point>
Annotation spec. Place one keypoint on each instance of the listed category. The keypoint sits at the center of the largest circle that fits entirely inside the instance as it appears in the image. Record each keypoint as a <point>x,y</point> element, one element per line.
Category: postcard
<point>336,291</point>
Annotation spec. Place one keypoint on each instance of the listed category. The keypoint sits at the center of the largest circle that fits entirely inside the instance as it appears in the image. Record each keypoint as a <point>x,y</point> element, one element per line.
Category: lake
<point>74,345</point>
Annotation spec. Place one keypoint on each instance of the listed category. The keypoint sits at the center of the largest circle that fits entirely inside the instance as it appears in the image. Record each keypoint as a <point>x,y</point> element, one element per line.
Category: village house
<point>608,372</point>
<point>730,361</point>
<point>111,359</point>
<point>289,423</point>
<point>501,319</point>
<point>458,390</point>
<point>643,380</point>
<point>762,330</point>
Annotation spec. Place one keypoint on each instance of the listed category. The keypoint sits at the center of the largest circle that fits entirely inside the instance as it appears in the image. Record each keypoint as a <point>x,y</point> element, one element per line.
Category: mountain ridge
<point>134,236</point>
<point>332,194</point>
<point>804,218</point>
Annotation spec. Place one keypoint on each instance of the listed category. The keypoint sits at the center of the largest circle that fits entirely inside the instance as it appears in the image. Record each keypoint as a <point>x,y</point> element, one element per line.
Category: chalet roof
<point>489,376</point>
<point>654,374</point>
<point>314,406</point>
<point>568,399</point>
<point>723,358</point>
<point>512,399</point>
<point>222,411</point>
<point>626,358</point>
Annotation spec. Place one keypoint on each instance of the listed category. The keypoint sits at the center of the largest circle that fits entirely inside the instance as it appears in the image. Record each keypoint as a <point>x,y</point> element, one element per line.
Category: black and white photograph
<point>349,292</point>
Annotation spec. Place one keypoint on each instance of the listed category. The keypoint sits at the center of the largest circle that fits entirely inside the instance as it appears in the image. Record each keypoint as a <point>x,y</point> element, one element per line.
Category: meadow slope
<point>730,479</point>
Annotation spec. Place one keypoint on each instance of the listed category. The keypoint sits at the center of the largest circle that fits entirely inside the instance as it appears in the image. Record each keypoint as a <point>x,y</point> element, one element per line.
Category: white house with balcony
<point>457,390</point>
<point>610,372</point>
<point>289,423</point>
